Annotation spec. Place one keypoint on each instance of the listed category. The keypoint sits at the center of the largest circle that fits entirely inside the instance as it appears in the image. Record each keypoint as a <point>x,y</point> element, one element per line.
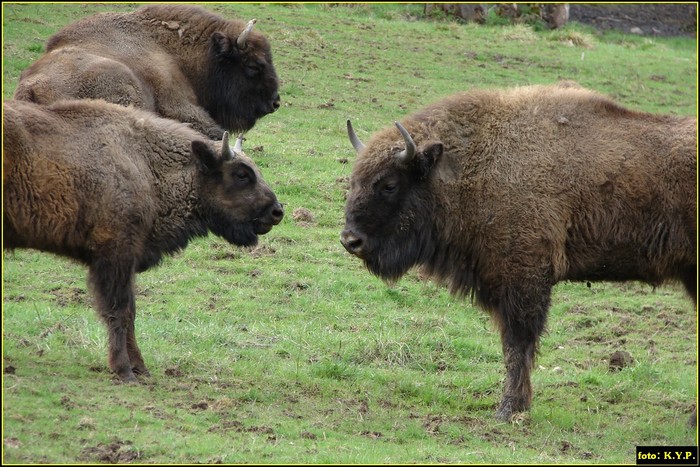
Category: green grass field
<point>291,352</point>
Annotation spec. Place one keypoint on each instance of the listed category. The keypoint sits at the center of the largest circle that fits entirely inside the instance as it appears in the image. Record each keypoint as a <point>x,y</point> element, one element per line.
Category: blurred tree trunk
<point>467,11</point>
<point>555,15</point>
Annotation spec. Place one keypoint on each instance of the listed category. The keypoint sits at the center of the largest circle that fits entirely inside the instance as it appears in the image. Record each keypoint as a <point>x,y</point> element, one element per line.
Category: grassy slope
<point>291,352</point>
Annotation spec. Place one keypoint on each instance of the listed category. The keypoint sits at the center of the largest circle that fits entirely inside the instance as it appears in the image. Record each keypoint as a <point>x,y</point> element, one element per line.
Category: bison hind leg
<point>690,281</point>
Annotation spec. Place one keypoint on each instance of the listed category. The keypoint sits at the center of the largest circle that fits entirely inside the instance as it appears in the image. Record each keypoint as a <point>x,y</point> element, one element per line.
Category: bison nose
<point>352,242</point>
<point>276,102</point>
<point>277,213</point>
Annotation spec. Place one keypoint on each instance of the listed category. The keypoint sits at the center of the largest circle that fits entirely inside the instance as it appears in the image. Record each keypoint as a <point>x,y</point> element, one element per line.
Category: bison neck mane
<point>172,232</point>
<point>172,242</point>
<point>182,30</point>
<point>186,23</point>
<point>455,266</point>
<point>174,177</point>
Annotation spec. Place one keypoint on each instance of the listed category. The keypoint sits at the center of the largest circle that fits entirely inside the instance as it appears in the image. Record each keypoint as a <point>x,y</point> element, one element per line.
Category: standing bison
<point>116,188</point>
<point>178,61</point>
<point>500,195</point>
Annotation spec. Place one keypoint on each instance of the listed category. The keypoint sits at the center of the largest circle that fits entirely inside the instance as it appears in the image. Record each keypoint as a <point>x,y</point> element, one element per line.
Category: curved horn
<point>238,147</point>
<point>225,148</point>
<point>407,154</point>
<point>242,40</point>
<point>356,143</point>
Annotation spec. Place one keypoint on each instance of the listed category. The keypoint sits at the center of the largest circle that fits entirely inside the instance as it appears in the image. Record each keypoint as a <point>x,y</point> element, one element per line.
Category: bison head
<point>389,211</point>
<point>243,84</point>
<point>236,203</point>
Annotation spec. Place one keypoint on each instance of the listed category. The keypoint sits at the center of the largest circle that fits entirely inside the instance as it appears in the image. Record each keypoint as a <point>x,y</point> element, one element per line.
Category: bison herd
<point>116,152</point>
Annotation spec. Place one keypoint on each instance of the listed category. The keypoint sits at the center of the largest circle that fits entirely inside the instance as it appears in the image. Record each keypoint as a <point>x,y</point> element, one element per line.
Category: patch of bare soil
<point>649,19</point>
<point>117,452</point>
<point>304,217</point>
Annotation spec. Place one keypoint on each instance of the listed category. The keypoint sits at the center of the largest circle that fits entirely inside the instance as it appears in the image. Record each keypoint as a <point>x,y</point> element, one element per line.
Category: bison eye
<point>242,176</point>
<point>252,70</point>
<point>390,188</point>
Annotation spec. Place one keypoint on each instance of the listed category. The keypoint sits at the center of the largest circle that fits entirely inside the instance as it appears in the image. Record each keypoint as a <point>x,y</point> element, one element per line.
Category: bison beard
<point>236,232</point>
<point>391,258</point>
<point>234,106</point>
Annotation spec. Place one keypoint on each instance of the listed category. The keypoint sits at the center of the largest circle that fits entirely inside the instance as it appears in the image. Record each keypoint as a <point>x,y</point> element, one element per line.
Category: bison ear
<point>221,43</point>
<point>428,158</point>
<point>207,160</point>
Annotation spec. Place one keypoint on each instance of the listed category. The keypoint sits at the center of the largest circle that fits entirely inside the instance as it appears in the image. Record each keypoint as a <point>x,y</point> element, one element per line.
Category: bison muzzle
<point>502,194</point>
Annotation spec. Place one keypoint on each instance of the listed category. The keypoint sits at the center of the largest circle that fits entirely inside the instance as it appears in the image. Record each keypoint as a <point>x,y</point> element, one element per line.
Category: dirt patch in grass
<point>653,19</point>
<point>116,452</point>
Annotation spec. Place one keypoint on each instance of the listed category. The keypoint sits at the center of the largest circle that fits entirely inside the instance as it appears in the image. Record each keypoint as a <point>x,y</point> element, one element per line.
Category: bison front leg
<point>137,364</point>
<point>112,283</point>
<point>519,350</point>
<point>521,317</point>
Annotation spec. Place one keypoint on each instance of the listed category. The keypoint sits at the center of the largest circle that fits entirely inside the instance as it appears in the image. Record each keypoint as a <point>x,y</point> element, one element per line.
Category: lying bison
<point>116,188</point>
<point>178,61</point>
<point>500,195</point>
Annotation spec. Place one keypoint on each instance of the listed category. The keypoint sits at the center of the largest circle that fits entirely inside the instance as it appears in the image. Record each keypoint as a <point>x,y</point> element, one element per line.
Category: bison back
<point>73,73</point>
<point>66,188</point>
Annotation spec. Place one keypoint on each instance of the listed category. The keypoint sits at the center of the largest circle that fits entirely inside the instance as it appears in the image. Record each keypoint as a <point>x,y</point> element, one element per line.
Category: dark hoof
<point>504,415</point>
<point>141,371</point>
<point>693,420</point>
<point>127,378</point>
<point>511,410</point>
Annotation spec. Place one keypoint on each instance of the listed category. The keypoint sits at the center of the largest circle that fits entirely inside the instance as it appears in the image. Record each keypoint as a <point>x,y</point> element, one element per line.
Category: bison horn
<point>225,148</point>
<point>407,154</point>
<point>356,143</point>
<point>242,40</point>
<point>238,147</point>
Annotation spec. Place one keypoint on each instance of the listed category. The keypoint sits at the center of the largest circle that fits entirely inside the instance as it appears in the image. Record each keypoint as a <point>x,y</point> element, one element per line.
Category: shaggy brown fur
<point>513,191</point>
<point>116,188</point>
<point>179,61</point>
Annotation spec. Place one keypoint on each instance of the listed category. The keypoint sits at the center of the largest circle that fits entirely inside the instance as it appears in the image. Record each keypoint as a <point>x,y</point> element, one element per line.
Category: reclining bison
<point>500,195</point>
<point>116,188</point>
<point>178,61</point>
